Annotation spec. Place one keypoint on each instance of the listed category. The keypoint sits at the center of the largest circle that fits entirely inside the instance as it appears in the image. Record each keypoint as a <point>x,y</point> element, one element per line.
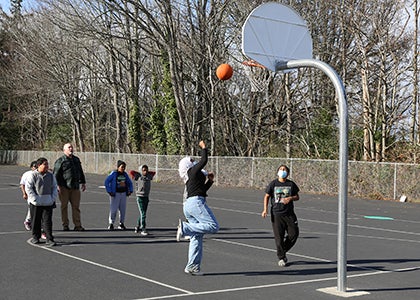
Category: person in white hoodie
<point>201,219</point>
<point>41,188</point>
<point>27,222</point>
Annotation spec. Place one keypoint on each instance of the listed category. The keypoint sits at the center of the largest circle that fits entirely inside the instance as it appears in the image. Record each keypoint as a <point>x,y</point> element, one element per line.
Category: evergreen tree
<point>164,117</point>
<point>134,125</point>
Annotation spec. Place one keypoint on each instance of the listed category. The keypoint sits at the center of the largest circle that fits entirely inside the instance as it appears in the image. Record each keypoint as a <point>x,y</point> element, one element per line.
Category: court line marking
<point>189,293</point>
<point>245,245</point>
<point>325,222</point>
<point>363,236</point>
<point>280,284</point>
<point>112,269</point>
<point>269,249</point>
<point>307,220</point>
<point>360,226</point>
<point>293,254</point>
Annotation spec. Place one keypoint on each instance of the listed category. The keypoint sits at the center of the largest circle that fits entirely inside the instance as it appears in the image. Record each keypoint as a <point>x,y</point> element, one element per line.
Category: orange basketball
<point>224,72</point>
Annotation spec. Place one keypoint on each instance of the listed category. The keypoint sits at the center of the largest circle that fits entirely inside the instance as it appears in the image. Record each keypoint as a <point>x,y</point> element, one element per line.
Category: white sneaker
<point>193,272</point>
<point>179,231</point>
<point>282,262</point>
<point>143,232</point>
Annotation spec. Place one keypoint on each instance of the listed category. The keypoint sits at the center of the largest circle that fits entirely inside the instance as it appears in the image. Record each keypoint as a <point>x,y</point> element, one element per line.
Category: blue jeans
<point>200,221</point>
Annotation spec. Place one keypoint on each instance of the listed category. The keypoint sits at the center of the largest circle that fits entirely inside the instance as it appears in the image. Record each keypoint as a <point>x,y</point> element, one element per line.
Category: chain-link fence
<point>365,179</point>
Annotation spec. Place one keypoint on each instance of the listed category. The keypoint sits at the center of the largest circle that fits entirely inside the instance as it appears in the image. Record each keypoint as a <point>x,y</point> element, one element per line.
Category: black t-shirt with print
<point>279,190</point>
<point>121,183</point>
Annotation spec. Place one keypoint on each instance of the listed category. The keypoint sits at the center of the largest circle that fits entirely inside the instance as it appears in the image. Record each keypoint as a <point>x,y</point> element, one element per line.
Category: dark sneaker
<point>34,241</point>
<point>122,226</point>
<point>66,228</point>
<point>137,229</point>
<point>111,227</point>
<point>50,243</point>
<point>79,228</point>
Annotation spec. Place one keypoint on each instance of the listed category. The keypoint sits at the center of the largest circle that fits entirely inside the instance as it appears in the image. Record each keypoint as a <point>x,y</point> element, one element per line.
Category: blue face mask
<point>282,174</point>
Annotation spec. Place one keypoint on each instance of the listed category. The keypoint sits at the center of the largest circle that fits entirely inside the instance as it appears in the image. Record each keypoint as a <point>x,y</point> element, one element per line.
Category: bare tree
<point>415,116</point>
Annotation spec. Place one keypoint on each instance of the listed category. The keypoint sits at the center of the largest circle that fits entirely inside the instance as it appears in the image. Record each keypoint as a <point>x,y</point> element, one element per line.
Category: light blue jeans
<point>201,220</point>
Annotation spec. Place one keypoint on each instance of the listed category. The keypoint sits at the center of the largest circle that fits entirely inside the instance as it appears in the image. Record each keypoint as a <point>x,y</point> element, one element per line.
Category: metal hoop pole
<point>343,161</point>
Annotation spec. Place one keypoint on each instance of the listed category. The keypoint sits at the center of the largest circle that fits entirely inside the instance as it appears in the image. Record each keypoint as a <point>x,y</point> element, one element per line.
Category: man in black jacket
<point>69,174</point>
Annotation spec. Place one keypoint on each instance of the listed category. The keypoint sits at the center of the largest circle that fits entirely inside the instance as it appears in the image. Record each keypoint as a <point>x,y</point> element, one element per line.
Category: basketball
<point>224,72</point>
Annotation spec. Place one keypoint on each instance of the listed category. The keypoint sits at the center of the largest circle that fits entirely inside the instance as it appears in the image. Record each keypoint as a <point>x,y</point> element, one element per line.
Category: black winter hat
<point>119,163</point>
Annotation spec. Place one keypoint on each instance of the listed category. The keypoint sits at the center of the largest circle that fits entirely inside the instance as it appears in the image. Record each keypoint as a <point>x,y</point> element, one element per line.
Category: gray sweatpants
<point>117,202</point>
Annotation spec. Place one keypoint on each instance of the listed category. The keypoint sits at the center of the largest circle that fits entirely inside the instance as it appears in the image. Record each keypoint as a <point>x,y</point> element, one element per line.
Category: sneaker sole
<point>193,273</point>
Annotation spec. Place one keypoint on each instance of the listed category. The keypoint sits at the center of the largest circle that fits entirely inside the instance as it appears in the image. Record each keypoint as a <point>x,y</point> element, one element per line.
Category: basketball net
<point>258,76</point>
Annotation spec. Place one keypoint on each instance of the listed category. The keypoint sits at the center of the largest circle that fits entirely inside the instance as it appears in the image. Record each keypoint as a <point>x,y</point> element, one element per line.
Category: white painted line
<point>292,254</point>
<point>278,284</point>
<point>141,239</point>
<point>15,232</point>
<point>361,227</point>
<point>271,250</point>
<point>363,236</point>
<point>245,288</point>
<point>112,269</point>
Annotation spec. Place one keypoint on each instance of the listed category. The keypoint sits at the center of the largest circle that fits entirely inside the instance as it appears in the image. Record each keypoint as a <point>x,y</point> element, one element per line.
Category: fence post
<point>217,171</point>
<point>157,166</point>
<point>395,181</point>
<point>252,172</point>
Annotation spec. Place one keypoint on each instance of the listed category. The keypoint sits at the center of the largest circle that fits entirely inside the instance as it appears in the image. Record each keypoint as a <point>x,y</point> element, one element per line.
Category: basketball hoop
<point>258,75</point>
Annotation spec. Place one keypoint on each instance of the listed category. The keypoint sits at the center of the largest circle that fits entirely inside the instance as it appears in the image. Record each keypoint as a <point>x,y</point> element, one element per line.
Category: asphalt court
<point>239,262</point>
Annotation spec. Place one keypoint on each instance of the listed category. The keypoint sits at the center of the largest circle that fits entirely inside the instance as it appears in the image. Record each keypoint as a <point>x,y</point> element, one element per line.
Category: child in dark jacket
<point>143,186</point>
<point>118,185</point>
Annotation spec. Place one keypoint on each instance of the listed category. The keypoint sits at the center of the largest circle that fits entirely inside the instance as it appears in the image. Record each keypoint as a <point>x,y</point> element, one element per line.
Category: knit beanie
<point>119,163</point>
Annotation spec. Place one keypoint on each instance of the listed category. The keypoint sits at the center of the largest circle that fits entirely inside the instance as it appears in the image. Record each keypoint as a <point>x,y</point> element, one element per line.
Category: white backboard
<point>273,33</point>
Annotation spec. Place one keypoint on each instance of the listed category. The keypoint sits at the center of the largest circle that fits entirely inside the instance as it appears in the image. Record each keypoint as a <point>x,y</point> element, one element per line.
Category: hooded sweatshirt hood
<point>184,165</point>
